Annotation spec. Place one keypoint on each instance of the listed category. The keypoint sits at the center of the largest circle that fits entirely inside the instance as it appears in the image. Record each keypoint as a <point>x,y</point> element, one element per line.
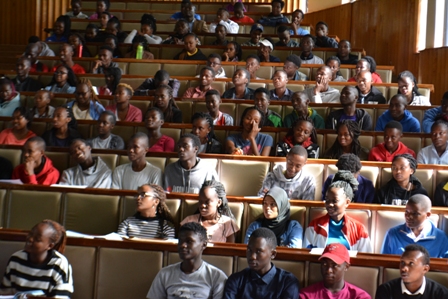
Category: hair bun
<point>346,176</point>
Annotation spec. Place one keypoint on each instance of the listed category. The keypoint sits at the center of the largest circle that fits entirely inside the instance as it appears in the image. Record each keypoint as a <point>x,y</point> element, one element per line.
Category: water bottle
<point>139,52</point>
<point>80,51</point>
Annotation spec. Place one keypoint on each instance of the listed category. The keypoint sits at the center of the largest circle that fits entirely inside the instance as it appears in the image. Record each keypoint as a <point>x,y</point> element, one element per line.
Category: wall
<point>432,65</point>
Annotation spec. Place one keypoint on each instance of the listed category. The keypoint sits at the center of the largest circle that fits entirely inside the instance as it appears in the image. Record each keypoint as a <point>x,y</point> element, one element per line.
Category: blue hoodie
<point>429,118</point>
<point>409,122</point>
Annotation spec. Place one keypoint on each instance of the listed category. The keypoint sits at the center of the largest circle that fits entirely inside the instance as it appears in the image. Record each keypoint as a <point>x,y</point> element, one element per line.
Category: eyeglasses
<point>144,194</point>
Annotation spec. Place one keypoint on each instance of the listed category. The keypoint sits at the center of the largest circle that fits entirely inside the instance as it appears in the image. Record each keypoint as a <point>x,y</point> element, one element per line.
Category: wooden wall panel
<point>432,66</point>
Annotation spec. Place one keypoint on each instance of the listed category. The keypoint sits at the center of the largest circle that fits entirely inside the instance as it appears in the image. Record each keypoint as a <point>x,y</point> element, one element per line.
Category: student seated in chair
<point>196,26</point>
<point>138,172</point>
<point>264,51</point>
<point>185,6</point>
<point>206,78</point>
<point>414,264</point>
<point>122,107</point>
<point>36,168</point>
<point>280,91</point>
<point>90,171</point>
<point>191,51</point>
<point>105,56</point>
<point>334,64</point>
<point>334,262</point>
<point>336,226</point>
<point>344,49</point>
<point>161,77</point>
<point>347,141</point>
<point>397,111</point>
<point>302,133</point>
<point>222,18</point>
<point>192,277</point>
<point>240,89</point>
<point>417,229</point>
<point>105,138</point>
<point>292,66</point>
<point>437,152</point>
<point>366,63</point>
<point>238,14</point>
<point>297,182</point>
<point>256,33</point>
<point>322,39</point>
<point>296,19</point>
<point>221,34</point>
<point>212,102</point>
<point>368,94</point>
<point>285,38</point>
<point>432,114</point>
<point>407,86</point>
<point>214,213</point>
<point>275,17</point>
<point>348,99</point>
<point>188,174</point>
<point>252,66</point>
<point>23,82</point>
<point>351,162</point>
<point>262,101</point>
<point>322,92</point>
<point>300,103</point>
<point>307,43</point>
<point>261,279</point>
<point>202,126</point>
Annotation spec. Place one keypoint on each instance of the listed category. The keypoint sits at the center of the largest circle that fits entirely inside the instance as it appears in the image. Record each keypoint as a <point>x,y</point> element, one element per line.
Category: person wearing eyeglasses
<point>152,218</point>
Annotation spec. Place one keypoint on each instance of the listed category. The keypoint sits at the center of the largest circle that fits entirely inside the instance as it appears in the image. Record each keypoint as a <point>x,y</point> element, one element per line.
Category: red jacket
<point>380,153</point>
<point>48,176</point>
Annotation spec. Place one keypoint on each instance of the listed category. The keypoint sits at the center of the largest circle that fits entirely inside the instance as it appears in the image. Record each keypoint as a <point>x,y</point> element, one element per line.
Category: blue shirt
<point>300,31</point>
<point>262,140</point>
<point>286,96</point>
<point>179,15</point>
<point>335,234</point>
<point>429,155</point>
<point>292,237</point>
<point>409,122</point>
<point>248,284</point>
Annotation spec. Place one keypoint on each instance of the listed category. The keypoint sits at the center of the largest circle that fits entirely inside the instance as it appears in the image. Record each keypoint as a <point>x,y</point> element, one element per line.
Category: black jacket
<point>362,118</point>
<point>393,191</point>
<point>374,97</point>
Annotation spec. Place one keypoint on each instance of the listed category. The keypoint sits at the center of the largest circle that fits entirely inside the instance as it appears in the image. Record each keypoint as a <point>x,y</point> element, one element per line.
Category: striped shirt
<point>145,227</point>
<point>54,278</point>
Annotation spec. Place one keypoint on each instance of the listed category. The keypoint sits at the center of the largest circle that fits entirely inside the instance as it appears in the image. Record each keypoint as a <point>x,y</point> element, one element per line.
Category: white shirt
<point>230,25</point>
<point>429,155</point>
<point>420,291</point>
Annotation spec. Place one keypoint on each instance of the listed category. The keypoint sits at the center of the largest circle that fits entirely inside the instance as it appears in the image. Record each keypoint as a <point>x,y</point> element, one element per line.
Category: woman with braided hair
<point>41,265</point>
<point>336,226</point>
<point>347,141</point>
<point>164,100</point>
<point>122,108</point>
<point>403,183</point>
<point>152,219</point>
<point>86,104</point>
<point>214,213</point>
<point>203,128</point>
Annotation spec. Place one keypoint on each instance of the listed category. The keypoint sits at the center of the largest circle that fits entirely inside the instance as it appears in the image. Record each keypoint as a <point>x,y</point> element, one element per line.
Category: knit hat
<point>336,252</point>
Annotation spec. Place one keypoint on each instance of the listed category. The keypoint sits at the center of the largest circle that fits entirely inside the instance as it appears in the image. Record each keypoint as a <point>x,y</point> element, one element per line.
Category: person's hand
<point>295,26</point>
<point>320,85</point>
<point>225,56</point>
<point>98,63</point>
<point>265,190</point>
<point>238,151</point>
<point>178,41</point>
<point>29,166</point>
<point>254,131</point>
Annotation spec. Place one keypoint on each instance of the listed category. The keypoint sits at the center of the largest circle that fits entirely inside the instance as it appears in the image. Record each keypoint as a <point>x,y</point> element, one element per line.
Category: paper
<point>70,186</point>
<point>17,182</point>
<point>111,236</point>
<point>319,251</point>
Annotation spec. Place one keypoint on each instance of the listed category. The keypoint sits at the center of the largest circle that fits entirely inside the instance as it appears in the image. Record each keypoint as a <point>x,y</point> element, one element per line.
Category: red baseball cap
<point>336,252</point>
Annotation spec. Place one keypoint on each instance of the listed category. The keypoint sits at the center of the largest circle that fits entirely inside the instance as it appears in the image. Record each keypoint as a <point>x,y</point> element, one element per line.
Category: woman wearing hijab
<point>276,211</point>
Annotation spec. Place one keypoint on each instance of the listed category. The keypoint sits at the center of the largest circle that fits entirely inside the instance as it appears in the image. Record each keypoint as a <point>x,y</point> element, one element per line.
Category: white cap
<point>267,43</point>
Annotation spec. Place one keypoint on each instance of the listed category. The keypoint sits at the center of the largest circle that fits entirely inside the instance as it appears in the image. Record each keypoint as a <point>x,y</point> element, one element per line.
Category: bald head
<point>423,201</point>
<point>364,81</point>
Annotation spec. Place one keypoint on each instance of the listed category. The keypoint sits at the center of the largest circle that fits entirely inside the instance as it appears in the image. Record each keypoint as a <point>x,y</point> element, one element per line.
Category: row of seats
<point>109,270</point>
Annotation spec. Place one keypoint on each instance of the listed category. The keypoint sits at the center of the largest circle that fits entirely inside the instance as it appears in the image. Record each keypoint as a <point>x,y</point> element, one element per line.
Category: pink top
<point>318,291</point>
<point>134,114</point>
<point>219,232</point>
<point>164,144</point>
<point>195,93</point>
<point>7,137</point>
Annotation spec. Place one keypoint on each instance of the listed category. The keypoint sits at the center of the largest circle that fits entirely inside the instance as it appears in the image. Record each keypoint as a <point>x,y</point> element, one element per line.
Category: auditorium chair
<point>13,155</point>
<point>145,69</point>
<point>392,273</point>
<point>83,261</point>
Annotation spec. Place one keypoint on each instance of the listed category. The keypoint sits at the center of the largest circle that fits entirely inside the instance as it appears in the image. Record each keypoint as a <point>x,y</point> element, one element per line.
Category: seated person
<point>214,61</point>
<point>114,27</point>
<point>322,39</point>
<point>397,111</point>
<point>20,131</point>
<point>181,29</point>
<point>275,17</point>
<point>252,66</point>
<point>238,14</point>
<point>23,82</point>
<point>188,174</point>
<point>9,97</point>
<point>414,264</point>
<point>348,99</point>
<point>164,100</point>
<point>262,101</point>
<point>105,138</point>
<point>431,114</point>
<point>440,198</point>
<point>297,182</point>
<point>158,142</point>
<point>250,141</point>
<point>366,63</point>
<point>322,92</point>
<point>202,127</point>
<point>192,275</point>
<point>407,86</point>
<point>336,226</point>
<point>222,18</point>
<point>368,94</point>
<point>347,141</point>
<point>92,33</point>
<point>280,91</point>
<point>105,56</point>
<point>147,29</point>
<point>417,229</point>
<point>307,43</point>
<point>63,81</point>
<point>139,40</point>
<point>103,18</point>
<point>112,77</point>
<point>101,6</point>
<point>291,67</point>
<point>261,279</point>
<point>232,52</point>
<point>351,162</point>
<point>344,49</point>
<point>41,265</point>
<point>206,78</point>
<point>276,213</point>
<point>334,262</point>
<point>36,168</point>
<point>64,129</point>
<point>221,34</point>
<point>335,65</point>
<point>302,133</point>
<point>122,107</point>
<point>61,30</point>
<point>33,51</point>
<point>138,171</point>
<point>195,26</point>
<point>161,77</point>
<point>42,108</point>
<point>66,53</point>
<point>436,153</point>
<point>90,171</point>
<point>152,218</point>
<point>76,10</point>
<point>392,146</point>
<point>256,32</point>
<point>191,51</point>
<point>296,19</point>
<point>300,102</point>
<point>212,102</point>
<point>264,51</point>
<point>240,91</point>
<point>214,213</point>
<point>285,38</point>
<point>6,170</point>
<point>185,5</point>
<point>403,183</point>
<point>86,104</point>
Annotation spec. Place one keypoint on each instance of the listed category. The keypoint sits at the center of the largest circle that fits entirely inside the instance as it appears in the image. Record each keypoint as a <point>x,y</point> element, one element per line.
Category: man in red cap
<point>334,262</point>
